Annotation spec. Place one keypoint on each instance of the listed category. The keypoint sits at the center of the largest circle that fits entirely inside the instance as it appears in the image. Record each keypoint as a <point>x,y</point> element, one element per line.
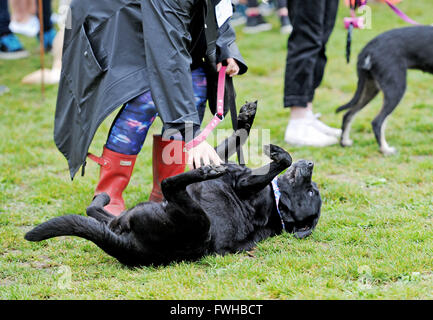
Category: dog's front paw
<point>212,171</point>
<point>277,154</point>
<point>246,115</point>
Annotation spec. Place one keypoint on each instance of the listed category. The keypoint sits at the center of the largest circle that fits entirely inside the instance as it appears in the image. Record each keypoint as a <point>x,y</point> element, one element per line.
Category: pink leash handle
<point>219,116</point>
<point>356,22</point>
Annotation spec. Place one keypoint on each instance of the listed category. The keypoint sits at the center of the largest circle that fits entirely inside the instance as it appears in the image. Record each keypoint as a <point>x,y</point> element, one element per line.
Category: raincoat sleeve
<point>168,61</point>
<point>227,47</point>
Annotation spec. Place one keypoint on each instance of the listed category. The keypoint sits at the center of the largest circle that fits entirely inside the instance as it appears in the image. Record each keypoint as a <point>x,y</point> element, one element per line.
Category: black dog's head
<point>300,200</point>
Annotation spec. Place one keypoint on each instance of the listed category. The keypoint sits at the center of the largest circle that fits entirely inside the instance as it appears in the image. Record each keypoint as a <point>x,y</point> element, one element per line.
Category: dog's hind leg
<point>181,207</point>
<point>393,90</point>
<point>96,208</point>
<point>367,90</point>
<point>261,177</point>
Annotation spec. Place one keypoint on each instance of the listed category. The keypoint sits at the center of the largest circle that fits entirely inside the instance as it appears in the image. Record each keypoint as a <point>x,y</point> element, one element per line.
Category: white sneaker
<point>29,28</point>
<point>302,132</point>
<point>319,125</point>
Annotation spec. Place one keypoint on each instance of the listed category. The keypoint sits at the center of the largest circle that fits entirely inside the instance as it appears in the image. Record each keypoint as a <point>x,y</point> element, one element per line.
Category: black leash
<point>234,116</point>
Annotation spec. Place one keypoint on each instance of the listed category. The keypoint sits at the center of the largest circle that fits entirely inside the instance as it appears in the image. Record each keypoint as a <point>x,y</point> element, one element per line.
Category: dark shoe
<point>11,48</point>
<point>115,173</point>
<point>286,26</point>
<point>165,168</point>
<point>256,24</point>
<point>49,39</point>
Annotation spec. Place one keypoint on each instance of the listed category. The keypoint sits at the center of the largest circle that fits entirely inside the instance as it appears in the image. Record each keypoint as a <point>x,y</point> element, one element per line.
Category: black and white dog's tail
<point>363,67</point>
<point>84,227</point>
<point>357,97</point>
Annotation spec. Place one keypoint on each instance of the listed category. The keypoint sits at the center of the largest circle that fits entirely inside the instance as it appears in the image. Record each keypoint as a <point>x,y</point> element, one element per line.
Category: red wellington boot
<point>114,176</point>
<point>168,160</point>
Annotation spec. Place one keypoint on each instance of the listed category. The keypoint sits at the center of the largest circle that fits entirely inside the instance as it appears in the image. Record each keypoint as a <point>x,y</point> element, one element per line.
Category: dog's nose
<point>310,164</point>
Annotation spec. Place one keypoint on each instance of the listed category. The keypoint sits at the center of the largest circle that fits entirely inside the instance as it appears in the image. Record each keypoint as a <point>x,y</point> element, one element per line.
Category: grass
<point>374,240</point>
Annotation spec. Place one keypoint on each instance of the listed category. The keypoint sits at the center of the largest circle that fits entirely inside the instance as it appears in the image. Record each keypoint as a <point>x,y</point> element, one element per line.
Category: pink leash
<point>219,116</point>
<point>401,14</point>
<point>358,22</point>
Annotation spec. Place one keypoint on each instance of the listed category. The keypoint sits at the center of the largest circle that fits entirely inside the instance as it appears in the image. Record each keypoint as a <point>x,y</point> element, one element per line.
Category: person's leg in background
<point>255,21</point>
<point>283,13</point>
<point>49,30</point>
<point>10,46</point>
<point>24,20</point>
<point>125,140</point>
<point>329,23</point>
<point>5,18</point>
<point>20,12</point>
<point>304,47</point>
<point>239,15</point>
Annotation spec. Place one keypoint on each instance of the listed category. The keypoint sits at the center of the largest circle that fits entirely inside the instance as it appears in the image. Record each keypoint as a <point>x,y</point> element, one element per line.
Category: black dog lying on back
<point>224,209</point>
<point>382,65</point>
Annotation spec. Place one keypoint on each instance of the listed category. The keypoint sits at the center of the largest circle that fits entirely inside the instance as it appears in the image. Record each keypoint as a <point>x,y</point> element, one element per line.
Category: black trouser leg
<point>313,21</point>
<point>329,23</point>
<point>281,4</point>
<point>255,3</point>
<point>5,18</point>
<point>252,3</point>
<point>46,9</point>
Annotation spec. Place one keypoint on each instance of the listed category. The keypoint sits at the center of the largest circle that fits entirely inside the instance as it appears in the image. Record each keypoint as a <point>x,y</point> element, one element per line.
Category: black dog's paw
<point>277,154</point>
<point>212,171</point>
<point>246,115</point>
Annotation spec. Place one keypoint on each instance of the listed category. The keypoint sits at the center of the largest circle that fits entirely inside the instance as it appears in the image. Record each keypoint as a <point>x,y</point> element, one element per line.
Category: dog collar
<point>277,194</point>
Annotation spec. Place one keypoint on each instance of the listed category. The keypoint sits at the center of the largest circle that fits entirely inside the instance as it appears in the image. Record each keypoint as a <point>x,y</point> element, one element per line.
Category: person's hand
<point>232,67</point>
<point>203,154</point>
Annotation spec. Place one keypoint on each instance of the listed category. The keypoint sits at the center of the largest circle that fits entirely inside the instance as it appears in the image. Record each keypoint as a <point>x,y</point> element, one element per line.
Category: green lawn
<point>374,240</point>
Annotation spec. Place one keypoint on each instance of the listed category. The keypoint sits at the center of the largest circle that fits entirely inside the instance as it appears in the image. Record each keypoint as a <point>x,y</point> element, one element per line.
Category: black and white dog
<point>224,209</point>
<point>382,65</point>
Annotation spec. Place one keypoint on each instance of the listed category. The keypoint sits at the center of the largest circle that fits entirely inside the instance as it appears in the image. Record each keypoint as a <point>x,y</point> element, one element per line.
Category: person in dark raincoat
<point>154,57</point>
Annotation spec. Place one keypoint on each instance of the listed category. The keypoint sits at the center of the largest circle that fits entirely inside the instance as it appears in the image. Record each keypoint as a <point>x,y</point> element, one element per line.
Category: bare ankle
<point>298,113</point>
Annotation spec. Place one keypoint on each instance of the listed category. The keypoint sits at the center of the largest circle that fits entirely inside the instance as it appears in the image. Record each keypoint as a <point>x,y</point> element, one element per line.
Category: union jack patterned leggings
<point>129,129</point>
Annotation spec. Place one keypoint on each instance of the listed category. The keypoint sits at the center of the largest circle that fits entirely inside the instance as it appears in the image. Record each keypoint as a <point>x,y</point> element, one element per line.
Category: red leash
<point>219,116</point>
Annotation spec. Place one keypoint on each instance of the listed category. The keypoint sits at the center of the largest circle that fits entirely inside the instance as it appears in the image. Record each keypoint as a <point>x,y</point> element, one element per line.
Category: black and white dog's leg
<point>261,177</point>
<point>244,123</point>
<point>364,95</point>
<point>393,92</point>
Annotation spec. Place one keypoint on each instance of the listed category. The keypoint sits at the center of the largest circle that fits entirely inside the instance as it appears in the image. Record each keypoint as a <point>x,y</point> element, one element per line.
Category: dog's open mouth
<point>301,229</point>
